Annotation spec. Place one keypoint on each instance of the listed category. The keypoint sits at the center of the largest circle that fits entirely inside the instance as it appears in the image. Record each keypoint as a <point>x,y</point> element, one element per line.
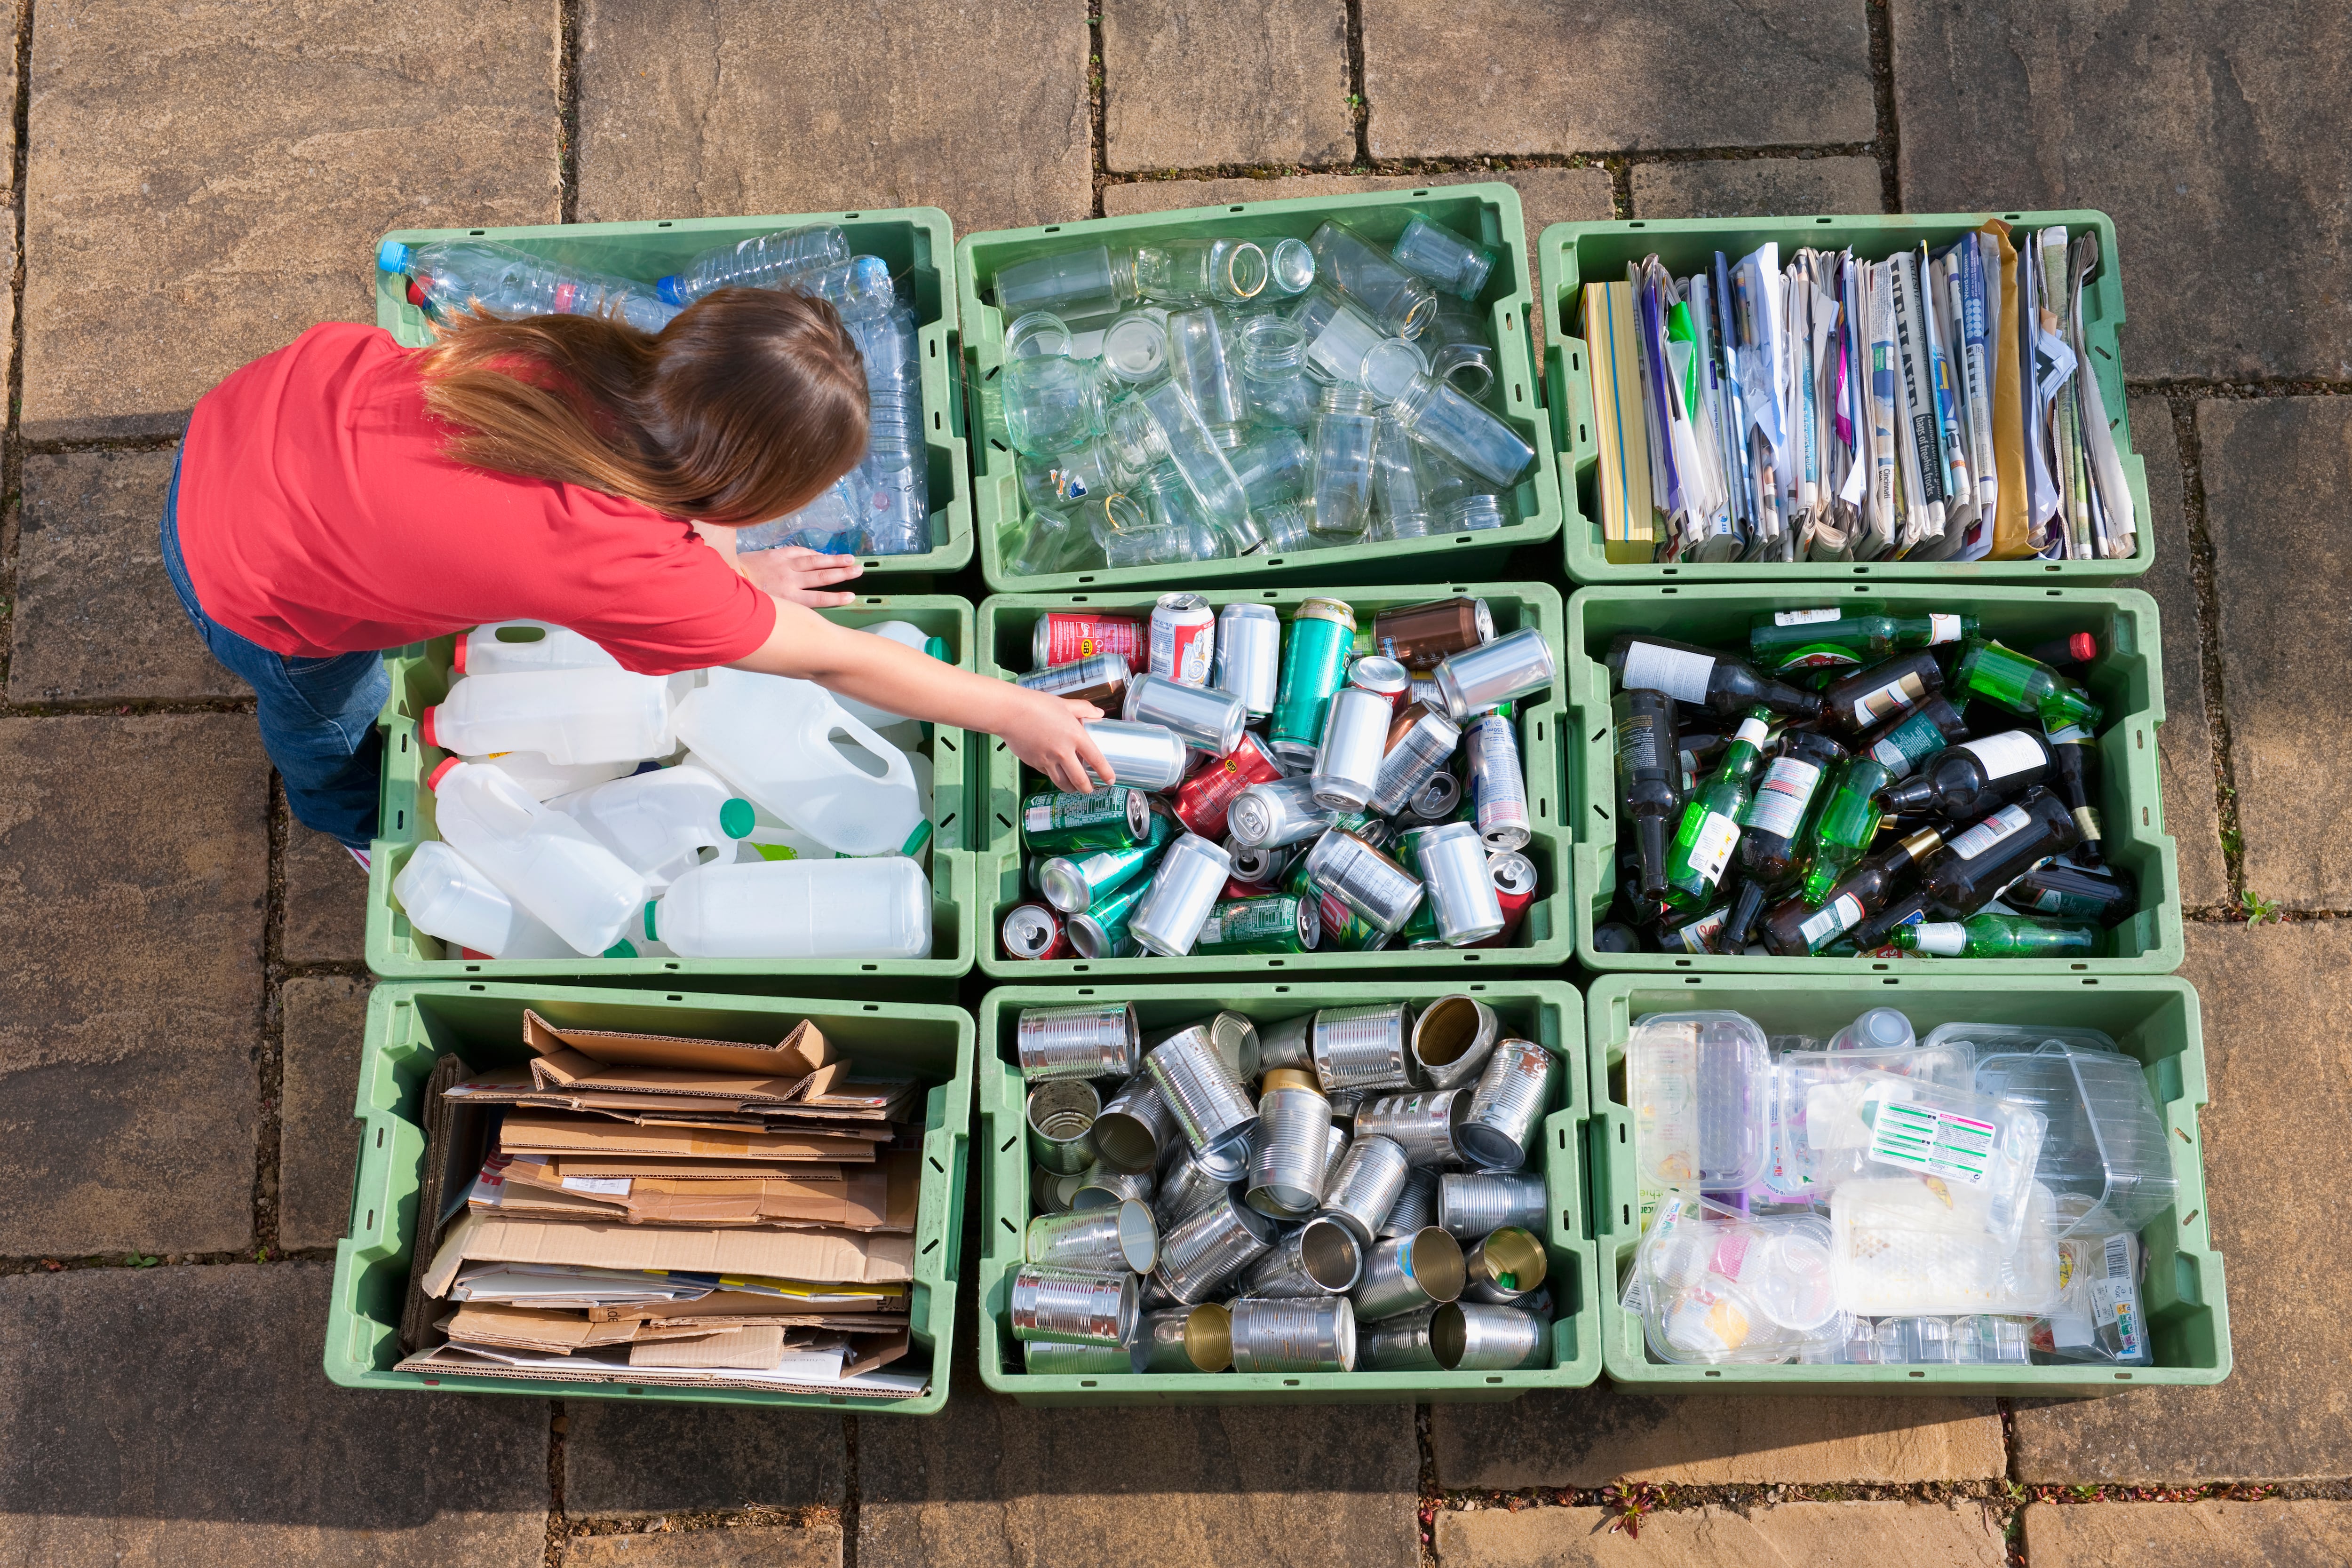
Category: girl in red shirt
<point>344,496</point>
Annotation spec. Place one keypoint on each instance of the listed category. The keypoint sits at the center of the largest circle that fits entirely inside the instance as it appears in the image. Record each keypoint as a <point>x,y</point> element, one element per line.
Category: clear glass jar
<point>1341,483</point>
<point>1274,371</point>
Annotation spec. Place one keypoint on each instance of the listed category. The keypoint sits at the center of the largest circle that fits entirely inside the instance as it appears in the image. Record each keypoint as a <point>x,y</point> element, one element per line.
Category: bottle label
<point>1637,743</point>
<point>1820,656</point>
<point>1782,798</point>
<point>2005,756</point>
<point>1889,699</point>
<point>2070,735</point>
<point>1699,936</point>
<point>2086,823</point>
<point>1839,915</point>
<point>2008,820</point>
<point>1711,849</point>
<point>1907,745</point>
<point>1945,939</point>
<point>1681,675</point>
<point>1752,731</point>
<point>1803,617</point>
<point>1943,629</point>
<point>1934,1143</point>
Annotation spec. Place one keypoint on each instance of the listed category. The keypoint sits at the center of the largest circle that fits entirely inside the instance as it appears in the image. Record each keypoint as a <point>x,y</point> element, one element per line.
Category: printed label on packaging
<point>1752,731</point>
<point>1943,938</point>
<point>1991,831</point>
<point>1890,699</point>
<point>1803,617</point>
<point>1839,915</point>
<point>1907,745</point>
<point>1933,1143</point>
<point>2004,756</point>
<point>1637,742</point>
<point>608,1187</point>
<point>1681,675</point>
<point>1943,629</point>
<point>1711,849</point>
<point>1782,798</point>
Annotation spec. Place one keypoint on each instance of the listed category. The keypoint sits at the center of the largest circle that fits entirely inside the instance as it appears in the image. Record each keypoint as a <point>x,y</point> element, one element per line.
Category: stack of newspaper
<point>1929,407</point>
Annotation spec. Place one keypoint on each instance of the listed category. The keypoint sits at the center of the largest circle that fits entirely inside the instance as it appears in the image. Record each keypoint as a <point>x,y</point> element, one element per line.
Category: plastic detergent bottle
<point>537,856</point>
<point>446,898</point>
<point>566,716</point>
<point>660,823</point>
<point>504,647</point>
<point>793,751</point>
<point>877,908</point>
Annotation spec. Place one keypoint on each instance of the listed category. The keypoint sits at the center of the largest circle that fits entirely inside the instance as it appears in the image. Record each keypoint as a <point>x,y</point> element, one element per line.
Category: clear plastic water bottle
<point>829,524</point>
<point>539,857</point>
<point>764,261</point>
<point>1210,376</point>
<point>1341,486</point>
<point>858,290</point>
<point>565,715</point>
<point>662,823</point>
<point>1437,414</point>
<point>890,486</point>
<point>1444,257</point>
<point>448,275</point>
<point>876,908</point>
<point>1274,371</point>
<point>446,898</point>
<point>1401,301</point>
<point>788,746</point>
<point>505,647</point>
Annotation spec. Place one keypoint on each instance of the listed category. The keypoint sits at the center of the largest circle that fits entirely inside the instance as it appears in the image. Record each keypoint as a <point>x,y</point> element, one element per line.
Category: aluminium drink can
<point>1271,815</point>
<point>1249,655</point>
<point>1314,666</point>
<point>1098,680</point>
<point>1275,923</point>
<point>1033,931</point>
<point>1260,865</point>
<point>1420,636</point>
<point>1452,867</point>
<point>1148,755</point>
<point>1099,930</point>
<point>1191,877</point>
<point>1355,735</point>
<point>1184,639</point>
<point>1071,884</point>
<point>1203,799</point>
<point>1419,745</point>
<point>1118,818</point>
<point>1205,720</point>
<point>1495,672</point>
<point>1061,636</point>
<point>1437,801</point>
<point>1514,876</point>
<point>1496,783</point>
<point>1364,879</point>
<point>1384,676</point>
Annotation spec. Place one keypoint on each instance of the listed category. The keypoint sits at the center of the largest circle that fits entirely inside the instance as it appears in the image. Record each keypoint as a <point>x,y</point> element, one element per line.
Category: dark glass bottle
<point>1787,797</point>
<point>2109,896</point>
<point>1701,678</point>
<point>1870,697</point>
<point>1796,928</point>
<point>1978,864</point>
<point>1972,778</point>
<point>1701,934</point>
<point>2071,765</point>
<point>1710,825</point>
<point>1747,908</point>
<point>2074,648</point>
<point>1647,774</point>
<point>1908,740</point>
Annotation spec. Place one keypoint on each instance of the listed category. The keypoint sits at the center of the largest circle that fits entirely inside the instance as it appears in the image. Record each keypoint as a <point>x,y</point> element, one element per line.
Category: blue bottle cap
<point>669,290</point>
<point>393,255</point>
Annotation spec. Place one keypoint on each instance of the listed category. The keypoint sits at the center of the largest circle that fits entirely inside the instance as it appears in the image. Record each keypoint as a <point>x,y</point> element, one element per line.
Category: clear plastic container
<point>1803,1168</point>
<point>2105,1155</point>
<point>1880,1029</point>
<point>1869,1124</point>
<point>1701,1088</point>
<point>1909,1246</point>
<point>1716,1288</point>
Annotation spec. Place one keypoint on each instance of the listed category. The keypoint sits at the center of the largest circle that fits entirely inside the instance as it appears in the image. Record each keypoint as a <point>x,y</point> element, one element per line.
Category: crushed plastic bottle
<point>448,276</point>
<point>537,856</point>
<point>889,491</point>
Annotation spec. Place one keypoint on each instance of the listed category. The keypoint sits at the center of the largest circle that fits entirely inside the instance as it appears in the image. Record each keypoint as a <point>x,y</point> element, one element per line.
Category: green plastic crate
<point>1546,1012</point>
<point>410,1025</point>
<point>1543,937</point>
<point>395,950</point>
<point>1570,256</point>
<point>917,241</point>
<point>2155,1018</point>
<point>1487,213</point>
<point>2127,680</point>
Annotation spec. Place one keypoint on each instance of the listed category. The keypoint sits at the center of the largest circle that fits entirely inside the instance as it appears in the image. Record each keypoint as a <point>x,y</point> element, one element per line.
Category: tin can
<point>1205,1096</point>
<point>1416,1208</point>
<point>1416,750</point>
<point>1355,730</point>
<point>1512,1096</point>
<point>1147,756</point>
<point>1185,888</point>
<point>1186,1187</point>
<point>1051,1358</point>
<point>1184,639</point>
<point>1422,1125</point>
<point>1452,1041</point>
<point>1279,1334</point>
<point>1074,1308</point>
<point>1321,1257</point>
<point>1289,1043</point>
<point>1061,1117</point>
<point>1033,931</point>
<point>1335,1150</point>
<point>1205,719</point>
<point>1475,680</point>
<point>1362,1048</point>
<point>1118,818</point>
<point>1314,665</point>
<point>1071,884</point>
<point>1207,1247</point>
<point>1100,1186</point>
<point>1366,1185</point>
<point>1249,655</point>
<point>1095,1040</point>
<point>1471,1204</point>
<point>1346,1102</point>
<point>1064,636</point>
<point>1121,1238</point>
<point>1235,1038</point>
<point>1287,1151</point>
<point>1271,815</point>
<point>1098,680</point>
<point>1259,866</point>
<point>1500,1339</point>
<point>1277,923</point>
<point>1514,876</point>
<point>1055,1192</point>
<point>1364,879</point>
<point>1099,930</point>
<point>1186,1339</point>
<point>1133,1126</point>
<point>1406,1273</point>
<point>1438,800</point>
<point>1422,636</point>
<point>1456,1336</point>
<point>1202,801</point>
<point>1496,783</point>
<point>1384,677</point>
<point>1452,867</point>
<point>1504,1266</point>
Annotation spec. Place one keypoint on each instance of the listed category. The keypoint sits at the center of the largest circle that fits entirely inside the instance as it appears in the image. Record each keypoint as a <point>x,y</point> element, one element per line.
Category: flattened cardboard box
<point>553,1133</point>
<point>823,1257</point>
<point>794,1057</point>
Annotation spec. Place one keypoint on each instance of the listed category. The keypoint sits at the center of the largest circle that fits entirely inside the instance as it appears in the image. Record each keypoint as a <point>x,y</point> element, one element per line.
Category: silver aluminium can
<point>1420,754</point>
<point>1288,1150</point>
<point>1257,865</point>
<point>1031,931</point>
<point>1452,1039</point>
<point>1189,880</point>
<point>1074,1308</point>
<point>1512,1094</point>
<point>1498,787</point>
<point>1051,1358</point>
<point>1209,721</point>
<point>1148,755</point>
<point>1406,1273</point>
<point>1365,1188</point>
<point>1361,1048</point>
<point>1091,1042</point>
<point>1436,800</point>
<point>1364,879</point>
<point>1471,1204</point>
<point>1268,816</point>
<point>1478,678</point>
<point>1187,1187</point>
<point>1512,874</point>
<point>1346,764</point>
<point>1321,1257</point>
<point>1422,1124</point>
<point>1461,890</point>
<point>1209,1248</point>
<point>1249,655</point>
<point>1311,1334</point>
<point>1118,1239</point>
<point>1061,1117</point>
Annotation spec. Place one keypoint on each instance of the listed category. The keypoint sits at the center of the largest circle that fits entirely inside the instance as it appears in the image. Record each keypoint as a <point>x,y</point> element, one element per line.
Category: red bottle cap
<point>427,730</point>
<point>457,660</point>
<point>433,780</point>
<point>2084,646</point>
<point>417,292</point>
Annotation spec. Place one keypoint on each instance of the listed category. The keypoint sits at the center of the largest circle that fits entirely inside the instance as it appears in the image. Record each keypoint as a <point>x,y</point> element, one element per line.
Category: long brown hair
<point>744,408</point>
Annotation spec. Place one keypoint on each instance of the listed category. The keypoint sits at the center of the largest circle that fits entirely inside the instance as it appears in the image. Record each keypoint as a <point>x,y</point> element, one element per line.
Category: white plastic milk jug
<point>567,716</point>
<point>873,908</point>
<point>790,748</point>
<point>448,899</point>
<point>539,857</point>
<point>660,823</point>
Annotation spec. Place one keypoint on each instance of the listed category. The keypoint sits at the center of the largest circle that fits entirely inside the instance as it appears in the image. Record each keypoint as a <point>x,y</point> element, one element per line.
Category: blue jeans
<point>318,715</point>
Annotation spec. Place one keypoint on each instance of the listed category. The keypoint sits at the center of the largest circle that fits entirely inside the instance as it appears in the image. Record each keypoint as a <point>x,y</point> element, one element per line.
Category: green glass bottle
<point>1995,937</point>
<point>1842,831</point>
<point>1710,824</point>
<point>1784,639</point>
<point>2005,678</point>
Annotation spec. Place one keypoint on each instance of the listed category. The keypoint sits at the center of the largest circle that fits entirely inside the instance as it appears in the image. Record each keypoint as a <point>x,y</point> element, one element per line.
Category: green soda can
<point>1843,828</point>
<point>1073,883</point>
<point>1117,818</point>
<point>1420,929</point>
<point>1314,666</point>
<point>2006,678</point>
<point>1281,922</point>
<point>1344,931</point>
<point>1099,930</point>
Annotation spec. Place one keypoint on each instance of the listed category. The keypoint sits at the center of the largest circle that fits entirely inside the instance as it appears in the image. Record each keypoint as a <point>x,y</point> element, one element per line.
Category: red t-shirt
<point>318,514</point>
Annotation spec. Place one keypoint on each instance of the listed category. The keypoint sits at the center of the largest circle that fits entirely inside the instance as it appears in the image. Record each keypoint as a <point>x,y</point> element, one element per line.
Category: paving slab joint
<point>1888,144</point>
<point>850,1494</point>
<point>1359,102</point>
<point>567,111</point>
<point>12,444</point>
<point>2183,406</point>
<point>1098,158</point>
<point>558,1527</point>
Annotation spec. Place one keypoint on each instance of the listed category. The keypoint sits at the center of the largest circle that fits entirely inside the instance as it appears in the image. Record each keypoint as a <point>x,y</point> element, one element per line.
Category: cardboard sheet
<point>832,1256</point>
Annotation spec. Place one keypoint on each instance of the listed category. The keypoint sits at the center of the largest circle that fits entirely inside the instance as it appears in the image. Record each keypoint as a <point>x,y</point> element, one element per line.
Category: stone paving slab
<point>1490,76</point>
<point>2185,741</point>
<point>324,899</point>
<point>689,109</point>
<point>1589,1437</point>
<point>2280,1079</point>
<point>636,1458</point>
<point>1757,187</point>
<point>1828,1534</point>
<point>133,858</point>
<point>2211,134</point>
<point>816,1545</point>
<point>176,1417</point>
<point>204,184</point>
<point>987,1482</point>
<point>2208,1534</point>
<point>2275,473</point>
<point>96,617</point>
<point>1191,86</point>
<point>325,1022</point>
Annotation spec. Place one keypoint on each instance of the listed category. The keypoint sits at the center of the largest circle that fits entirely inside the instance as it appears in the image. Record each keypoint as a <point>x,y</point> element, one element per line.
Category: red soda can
<point>1184,639</point>
<point>1200,801</point>
<point>1237,888</point>
<point>1385,677</point>
<point>1514,875</point>
<point>1064,636</point>
<point>1035,930</point>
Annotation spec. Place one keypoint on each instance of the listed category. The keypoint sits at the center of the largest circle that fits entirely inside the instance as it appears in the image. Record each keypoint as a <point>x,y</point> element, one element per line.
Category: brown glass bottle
<point>1994,852</point>
<point>1795,929</point>
<point>1874,696</point>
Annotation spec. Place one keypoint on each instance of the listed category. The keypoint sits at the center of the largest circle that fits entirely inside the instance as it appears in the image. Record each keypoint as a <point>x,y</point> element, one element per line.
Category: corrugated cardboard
<point>828,1257</point>
<point>881,1197</point>
<point>553,1332</point>
<point>796,1056</point>
<point>694,1170</point>
<point>453,1361</point>
<point>753,1349</point>
<point>743,1306</point>
<point>453,1135</point>
<point>543,1133</point>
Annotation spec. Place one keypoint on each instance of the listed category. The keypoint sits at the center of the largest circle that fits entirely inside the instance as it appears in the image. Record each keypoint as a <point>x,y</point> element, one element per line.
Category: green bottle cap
<point>650,934</point>
<point>735,818</point>
<point>937,647</point>
<point>917,838</point>
<point>620,949</point>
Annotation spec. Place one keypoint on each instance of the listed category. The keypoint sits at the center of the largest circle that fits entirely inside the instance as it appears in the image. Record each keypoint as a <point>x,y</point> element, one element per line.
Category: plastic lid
<point>917,838</point>
<point>620,949</point>
<point>668,287</point>
<point>869,275</point>
<point>735,820</point>
<point>393,255</point>
<point>937,648</point>
<point>1789,1278</point>
<point>427,728</point>
<point>433,780</point>
<point>1391,368</point>
<point>458,658</point>
<point>2084,646</point>
<point>650,905</point>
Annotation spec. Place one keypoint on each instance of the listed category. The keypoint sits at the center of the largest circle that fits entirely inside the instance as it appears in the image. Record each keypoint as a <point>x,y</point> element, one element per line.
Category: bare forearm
<point>877,670</point>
